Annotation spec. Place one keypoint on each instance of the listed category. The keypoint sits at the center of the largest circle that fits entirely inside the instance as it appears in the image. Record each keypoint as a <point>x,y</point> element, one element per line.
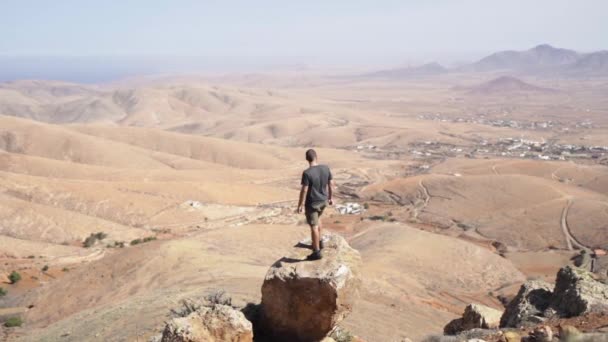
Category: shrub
<point>45,268</point>
<point>365,206</point>
<point>377,218</point>
<point>65,269</point>
<point>94,237</point>
<point>117,244</point>
<point>219,297</point>
<point>31,257</point>
<point>188,306</point>
<point>144,240</point>
<point>14,277</point>
<point>13,322</point>
<point>3,292</point>
<point>341,335</point>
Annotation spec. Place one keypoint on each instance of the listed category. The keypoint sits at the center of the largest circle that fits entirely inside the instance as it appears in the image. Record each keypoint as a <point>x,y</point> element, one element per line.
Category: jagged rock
<point>576,293</point>
<point>510,336</point>
<point>541,334</point>
<point>568,333</point>
<point>303,300</point>
<point>453,327</point>
<point>533,298</point>
<point>480,316</point>
<point>475,316</point>
<point>218,323</point>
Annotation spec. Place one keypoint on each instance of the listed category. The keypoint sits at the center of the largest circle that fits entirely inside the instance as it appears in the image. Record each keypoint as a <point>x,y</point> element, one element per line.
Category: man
<point>317,189</point>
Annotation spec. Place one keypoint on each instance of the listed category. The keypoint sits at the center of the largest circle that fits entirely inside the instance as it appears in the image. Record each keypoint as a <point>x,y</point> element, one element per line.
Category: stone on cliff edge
<point>475,316</point>
<point>304,300</point>
<point>533,298</point>
<point>577,293</point>
<point>218,323</point>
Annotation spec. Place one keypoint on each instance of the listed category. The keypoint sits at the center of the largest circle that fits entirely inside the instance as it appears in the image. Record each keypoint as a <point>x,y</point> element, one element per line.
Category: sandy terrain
<point>467,193</point>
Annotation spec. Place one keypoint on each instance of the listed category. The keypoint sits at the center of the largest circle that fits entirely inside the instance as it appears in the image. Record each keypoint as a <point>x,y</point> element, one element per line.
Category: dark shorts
<point>314,212</point>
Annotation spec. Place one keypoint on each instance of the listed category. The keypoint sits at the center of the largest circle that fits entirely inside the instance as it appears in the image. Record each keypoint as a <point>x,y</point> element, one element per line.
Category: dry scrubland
<point>208,171</point>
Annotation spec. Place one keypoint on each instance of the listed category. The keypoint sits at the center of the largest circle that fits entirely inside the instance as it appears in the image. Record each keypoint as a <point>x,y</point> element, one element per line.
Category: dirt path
<point>554,175</point>
<point>571,241</point>
<point>427,197</point>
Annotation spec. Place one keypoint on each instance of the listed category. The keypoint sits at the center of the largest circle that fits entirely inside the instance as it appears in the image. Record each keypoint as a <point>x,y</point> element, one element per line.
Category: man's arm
<point>330,192</point>
<point>302,195</point>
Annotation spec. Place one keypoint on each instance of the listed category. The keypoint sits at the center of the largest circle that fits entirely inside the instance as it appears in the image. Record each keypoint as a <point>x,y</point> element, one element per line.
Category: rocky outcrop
<point>304,300</point>
<point>542,333</point>
<point>217,323</point>
<point>533,298</point>
<point>475,316</point>
<point>577,293</point>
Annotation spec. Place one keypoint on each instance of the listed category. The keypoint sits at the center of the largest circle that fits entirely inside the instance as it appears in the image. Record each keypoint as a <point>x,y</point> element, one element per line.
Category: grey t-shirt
<point>316,178</point>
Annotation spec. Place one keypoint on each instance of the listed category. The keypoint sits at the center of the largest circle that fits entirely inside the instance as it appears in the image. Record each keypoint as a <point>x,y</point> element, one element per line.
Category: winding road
<point>571,241</point>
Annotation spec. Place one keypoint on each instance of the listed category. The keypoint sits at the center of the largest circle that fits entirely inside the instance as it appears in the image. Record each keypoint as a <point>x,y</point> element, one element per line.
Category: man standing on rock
<point>317,188</point>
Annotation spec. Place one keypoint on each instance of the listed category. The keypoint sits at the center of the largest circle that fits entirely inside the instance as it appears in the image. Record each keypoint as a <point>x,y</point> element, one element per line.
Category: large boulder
<point>480,316</point>
<point>217,323</point>
<point>533,298</point>
<point>475,316</point>
<point>303,300</point>
<point>577,292</point>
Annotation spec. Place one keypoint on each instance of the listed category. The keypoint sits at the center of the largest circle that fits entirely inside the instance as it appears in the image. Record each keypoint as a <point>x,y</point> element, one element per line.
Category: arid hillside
<point>119,200</point>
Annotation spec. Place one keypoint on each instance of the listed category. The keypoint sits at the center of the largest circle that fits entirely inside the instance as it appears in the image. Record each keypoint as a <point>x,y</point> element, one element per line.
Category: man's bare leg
<point>315,236</point>
<point>320,234</point>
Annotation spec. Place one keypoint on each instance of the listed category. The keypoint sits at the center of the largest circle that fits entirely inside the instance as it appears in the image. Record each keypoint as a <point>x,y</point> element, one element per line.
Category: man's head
<point>311,155</point>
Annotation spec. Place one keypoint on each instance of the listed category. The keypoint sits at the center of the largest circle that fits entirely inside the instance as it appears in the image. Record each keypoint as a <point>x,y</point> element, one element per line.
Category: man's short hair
<point>311,155</point>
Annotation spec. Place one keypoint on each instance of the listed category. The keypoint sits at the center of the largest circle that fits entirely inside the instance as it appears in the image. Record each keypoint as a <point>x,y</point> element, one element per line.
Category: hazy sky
<point>324,31</point>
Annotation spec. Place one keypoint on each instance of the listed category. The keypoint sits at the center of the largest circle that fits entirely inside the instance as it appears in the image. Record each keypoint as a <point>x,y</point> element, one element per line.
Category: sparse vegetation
<point>144,240</point>
<point>14,277</point>
<point>377,218</point>
<point>3,292</point>
<point>219,297</point>
<point>13,322</point>
<point>384,218</point>
<point>341,335</point>
<point>93,238</point>
<point>161,230</point>
<point>189,305</point>
<point>116,244</point>
<point>45,268</point>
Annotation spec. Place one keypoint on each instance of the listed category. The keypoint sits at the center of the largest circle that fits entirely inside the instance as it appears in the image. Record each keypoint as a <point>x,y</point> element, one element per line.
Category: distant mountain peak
<point>507,85</point>
<point>427,69</point>
<point>540,57</point>
<point>544,47</point>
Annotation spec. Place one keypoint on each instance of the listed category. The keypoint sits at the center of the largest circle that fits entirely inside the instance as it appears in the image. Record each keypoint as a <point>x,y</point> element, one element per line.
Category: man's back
<point>316,178</point>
